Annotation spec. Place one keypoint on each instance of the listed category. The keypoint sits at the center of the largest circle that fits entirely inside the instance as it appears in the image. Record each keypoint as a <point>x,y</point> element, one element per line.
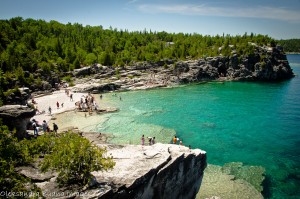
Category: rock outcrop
<point>95,87</point>
<point>19,96</point>
<point>16,116</point>
<point>156,171</point>
<point>265,64</point>
<point>261,66</point>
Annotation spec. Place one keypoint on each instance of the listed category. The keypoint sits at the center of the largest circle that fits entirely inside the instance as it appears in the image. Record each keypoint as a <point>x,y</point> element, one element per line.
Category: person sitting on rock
<point>33,101</point>
<point>37,110</point>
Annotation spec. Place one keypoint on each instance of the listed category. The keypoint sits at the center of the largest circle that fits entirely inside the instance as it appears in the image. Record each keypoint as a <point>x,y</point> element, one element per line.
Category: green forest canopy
<point>290,45</point>
<point>33,44</point>
<point>29,45</point>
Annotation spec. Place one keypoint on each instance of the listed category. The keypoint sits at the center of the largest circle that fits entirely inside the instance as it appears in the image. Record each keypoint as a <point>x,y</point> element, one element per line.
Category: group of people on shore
<point>87,103</point>
<point>150,139</point>
<point>176,140</point>
<point>45,127</point>
<point>34,124</point>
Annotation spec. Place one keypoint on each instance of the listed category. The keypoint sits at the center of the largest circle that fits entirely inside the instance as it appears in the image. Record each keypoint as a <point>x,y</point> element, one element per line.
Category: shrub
<point>11,156</point>
<point>74,157</point>
<point>67,78</point>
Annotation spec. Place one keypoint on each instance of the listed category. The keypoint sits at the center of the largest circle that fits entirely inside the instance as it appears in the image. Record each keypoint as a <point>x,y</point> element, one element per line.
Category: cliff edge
<point>156,171</point>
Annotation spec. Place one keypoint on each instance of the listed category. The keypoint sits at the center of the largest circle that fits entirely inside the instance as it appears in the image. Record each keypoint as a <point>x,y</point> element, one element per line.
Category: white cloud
<point>264,12</point>
<point>132,1</point>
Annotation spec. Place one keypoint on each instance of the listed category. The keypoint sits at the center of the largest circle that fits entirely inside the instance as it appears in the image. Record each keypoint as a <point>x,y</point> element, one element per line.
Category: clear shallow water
<point>253,123</point>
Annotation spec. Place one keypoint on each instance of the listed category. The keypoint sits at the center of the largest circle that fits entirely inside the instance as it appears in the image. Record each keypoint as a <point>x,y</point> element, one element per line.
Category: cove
<point>253,123</point>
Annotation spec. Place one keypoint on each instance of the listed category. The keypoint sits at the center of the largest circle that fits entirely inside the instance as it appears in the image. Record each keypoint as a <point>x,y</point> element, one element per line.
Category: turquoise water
<point>253,123</point>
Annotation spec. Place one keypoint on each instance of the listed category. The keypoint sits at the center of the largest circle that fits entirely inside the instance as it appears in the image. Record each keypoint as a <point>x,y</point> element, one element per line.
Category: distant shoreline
<point>293,53</point>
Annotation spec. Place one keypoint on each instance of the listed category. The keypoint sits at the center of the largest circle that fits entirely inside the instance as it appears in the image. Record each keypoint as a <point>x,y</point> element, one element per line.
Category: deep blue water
<point>253,123</point>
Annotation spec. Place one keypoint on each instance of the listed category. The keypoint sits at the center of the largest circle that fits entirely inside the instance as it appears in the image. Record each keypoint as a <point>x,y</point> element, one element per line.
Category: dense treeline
<point>29,45</point>
<point>290,45</point>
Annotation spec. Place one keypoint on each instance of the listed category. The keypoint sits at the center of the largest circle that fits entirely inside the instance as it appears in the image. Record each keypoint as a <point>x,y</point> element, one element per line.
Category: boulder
<point>95,87</point>
<point>233,62</point>
<point>17,116</point>
<point>181,67</point>
<point>82,71</point>
<point>19,96</point>
<point>207,72</point>
<point>34,173</point>
<point>46,86</point>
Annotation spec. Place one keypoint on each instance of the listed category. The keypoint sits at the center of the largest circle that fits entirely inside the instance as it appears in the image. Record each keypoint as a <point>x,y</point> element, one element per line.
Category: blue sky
<point>279,19</point>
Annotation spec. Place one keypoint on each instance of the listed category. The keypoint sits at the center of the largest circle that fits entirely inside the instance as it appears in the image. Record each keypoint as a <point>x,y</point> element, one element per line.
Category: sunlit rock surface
<point>156,171</point>
<point>152,171</point>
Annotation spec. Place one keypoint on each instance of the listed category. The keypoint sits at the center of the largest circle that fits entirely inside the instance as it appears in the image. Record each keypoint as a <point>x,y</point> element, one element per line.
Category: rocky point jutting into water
<point>156,171</point>
<point>266,64</point>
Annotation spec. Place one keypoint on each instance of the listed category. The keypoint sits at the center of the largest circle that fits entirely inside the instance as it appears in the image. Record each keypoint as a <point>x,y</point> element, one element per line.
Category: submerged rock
<point>255,175</point>
<point>218,184</point>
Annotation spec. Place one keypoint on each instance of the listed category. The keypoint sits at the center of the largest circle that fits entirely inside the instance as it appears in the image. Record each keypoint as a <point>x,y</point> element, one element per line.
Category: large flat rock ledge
<point>157,171</point>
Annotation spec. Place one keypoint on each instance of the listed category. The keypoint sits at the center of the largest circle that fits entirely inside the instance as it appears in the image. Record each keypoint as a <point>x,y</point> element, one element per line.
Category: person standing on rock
<point>71,97</point>
<point>55,128</point>
<point>174,139</point>
<point>150,140</point>
<point>57,105</point>
<point>143,140</point>
<point>45,126</point>
<point>153,141</point>
<point>35,129</point>
<point>50,109</point>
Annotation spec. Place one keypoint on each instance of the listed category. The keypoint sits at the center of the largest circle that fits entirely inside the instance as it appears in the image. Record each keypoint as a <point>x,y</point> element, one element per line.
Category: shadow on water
<point>267,184</point>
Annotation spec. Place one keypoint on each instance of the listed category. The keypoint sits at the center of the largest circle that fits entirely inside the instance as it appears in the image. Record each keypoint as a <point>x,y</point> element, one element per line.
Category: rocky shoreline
<point>265,64</point>
<point>156,171</point>
<point>153,171</point>
<point>268,64</point>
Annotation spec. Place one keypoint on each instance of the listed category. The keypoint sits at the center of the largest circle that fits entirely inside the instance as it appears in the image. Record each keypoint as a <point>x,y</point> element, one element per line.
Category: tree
<point>91,58</point>
<point>11,155</point>
<point>105,58</point>
<point>74,157</point>
<point>76,63</point>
